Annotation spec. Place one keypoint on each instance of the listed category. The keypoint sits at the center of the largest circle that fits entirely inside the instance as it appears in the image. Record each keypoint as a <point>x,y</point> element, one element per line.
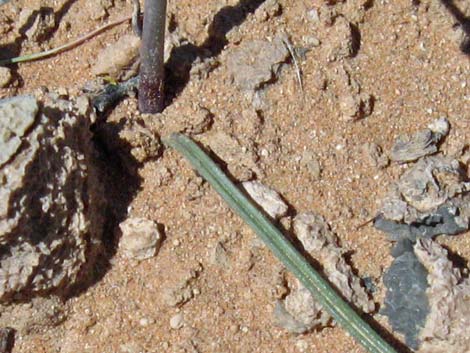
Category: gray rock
<point>255,63</point>
<point>406,303</point>
<point>17,116</point>
<point>423,143</point>
<point>431,198</point>
<point>51,199</point>
<point>427,298</point>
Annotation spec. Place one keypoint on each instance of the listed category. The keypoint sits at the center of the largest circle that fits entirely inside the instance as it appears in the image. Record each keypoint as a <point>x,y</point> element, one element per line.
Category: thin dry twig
<point>288,44</point>
<point>65,47</point>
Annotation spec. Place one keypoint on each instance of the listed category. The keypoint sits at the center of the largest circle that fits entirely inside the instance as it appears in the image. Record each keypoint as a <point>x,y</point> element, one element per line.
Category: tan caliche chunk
<point>267,198</point>
<point>140,238</point>
<point>119,60</point>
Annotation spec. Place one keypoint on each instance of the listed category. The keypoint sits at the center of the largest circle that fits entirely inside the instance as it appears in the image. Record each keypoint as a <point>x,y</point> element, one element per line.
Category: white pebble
<point>177,321</point>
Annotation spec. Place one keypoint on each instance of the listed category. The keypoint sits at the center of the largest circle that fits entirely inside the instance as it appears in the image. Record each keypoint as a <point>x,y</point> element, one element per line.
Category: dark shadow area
<point>7,339</point>
<point>457,261</point>
<point>356,40</point>
<point>464,22</point>
<point>121,183</point>
<point>181,58</point>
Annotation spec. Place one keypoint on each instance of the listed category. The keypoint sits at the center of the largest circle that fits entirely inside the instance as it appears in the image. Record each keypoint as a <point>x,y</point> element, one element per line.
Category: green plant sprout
<point>284,250</point>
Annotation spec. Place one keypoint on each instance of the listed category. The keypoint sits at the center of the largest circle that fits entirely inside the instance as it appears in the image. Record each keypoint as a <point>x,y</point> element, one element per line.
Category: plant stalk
<point>152,70</point>
<point>282,248</point>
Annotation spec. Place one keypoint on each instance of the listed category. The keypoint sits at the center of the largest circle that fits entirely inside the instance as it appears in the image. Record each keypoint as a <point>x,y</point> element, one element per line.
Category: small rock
<point>355,106</point>
<point>5,76</point>
<point>300,312</point>
<point>311,163</point>
<point>7,338</point>
<point>268,10</point>
<point>340,42</point>
<point>177,321</point>
<point>255,63</point>
<point>219,256</point>
<point>145,321</point>
<point>313,15</point>
<point>43,25</point>
<point>267,198</point>
<point>183,291</point>
<point>374,155</point>
<point>423,143</point>
<point>140,238</point>
<point>119,60</point>
<point>312,41</point>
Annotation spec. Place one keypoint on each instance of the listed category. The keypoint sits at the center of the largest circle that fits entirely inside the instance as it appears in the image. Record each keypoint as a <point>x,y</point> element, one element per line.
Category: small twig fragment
<point>65,47</point>
<point>288,44</point>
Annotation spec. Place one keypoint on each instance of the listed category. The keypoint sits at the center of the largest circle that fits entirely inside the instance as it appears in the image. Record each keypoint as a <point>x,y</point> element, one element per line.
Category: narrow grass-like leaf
<point>322,291</point>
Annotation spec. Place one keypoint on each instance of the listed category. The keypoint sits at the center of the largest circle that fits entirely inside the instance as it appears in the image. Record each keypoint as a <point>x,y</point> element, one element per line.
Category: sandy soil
<point>408,56</point>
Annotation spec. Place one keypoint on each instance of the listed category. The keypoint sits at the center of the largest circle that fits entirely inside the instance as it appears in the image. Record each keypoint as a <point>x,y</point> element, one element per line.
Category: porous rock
<point>431,198</point>
<point>447,327</point>
<point>51,199</point>
<point>255,63</point>
<point>140,238</point>
<point>267,198</point>
<point>299,312</point>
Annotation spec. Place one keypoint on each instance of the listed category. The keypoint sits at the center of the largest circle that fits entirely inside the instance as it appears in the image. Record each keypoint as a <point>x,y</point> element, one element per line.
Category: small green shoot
<point>284,250</point>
